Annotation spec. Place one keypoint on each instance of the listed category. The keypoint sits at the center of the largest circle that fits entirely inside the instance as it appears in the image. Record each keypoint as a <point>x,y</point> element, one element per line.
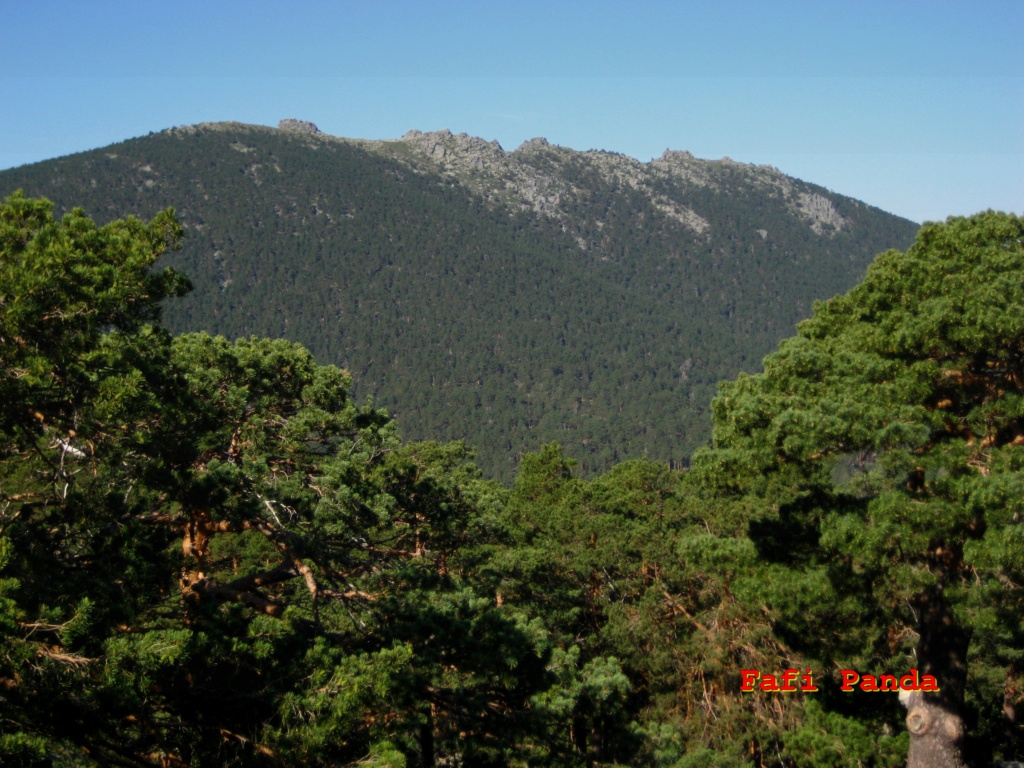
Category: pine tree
<point>882,451</point>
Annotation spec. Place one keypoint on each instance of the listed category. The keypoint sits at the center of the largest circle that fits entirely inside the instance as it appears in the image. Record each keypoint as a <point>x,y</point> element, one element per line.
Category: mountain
<point>505,298</point>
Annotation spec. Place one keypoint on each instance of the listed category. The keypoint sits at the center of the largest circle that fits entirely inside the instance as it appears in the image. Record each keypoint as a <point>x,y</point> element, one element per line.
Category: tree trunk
<point>934,719</point>
<point>936,734</point>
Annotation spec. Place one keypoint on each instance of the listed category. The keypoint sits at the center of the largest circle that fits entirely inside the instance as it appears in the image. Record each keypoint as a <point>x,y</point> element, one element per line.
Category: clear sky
<point>916,107</point>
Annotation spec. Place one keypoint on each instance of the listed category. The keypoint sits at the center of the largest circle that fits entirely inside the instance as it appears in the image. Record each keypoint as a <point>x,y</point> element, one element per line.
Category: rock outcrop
<point>820,211</point>
<point>539,176</point>
<point>299,126</point>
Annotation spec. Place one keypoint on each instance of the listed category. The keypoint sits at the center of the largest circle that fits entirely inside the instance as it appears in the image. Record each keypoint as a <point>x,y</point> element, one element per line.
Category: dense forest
<point>212,554</point>
<point>509,299</point>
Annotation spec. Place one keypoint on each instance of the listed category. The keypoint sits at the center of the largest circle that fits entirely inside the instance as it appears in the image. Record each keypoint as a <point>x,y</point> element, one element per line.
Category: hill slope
<point>508,298</point>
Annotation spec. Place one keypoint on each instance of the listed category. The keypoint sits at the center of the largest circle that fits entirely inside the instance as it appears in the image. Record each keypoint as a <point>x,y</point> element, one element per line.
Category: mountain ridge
<point>461,152</point>
<point>507,298</point>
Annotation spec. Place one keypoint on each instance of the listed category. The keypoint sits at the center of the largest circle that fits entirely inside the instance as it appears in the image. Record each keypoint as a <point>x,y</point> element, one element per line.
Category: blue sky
<point>915,107</point>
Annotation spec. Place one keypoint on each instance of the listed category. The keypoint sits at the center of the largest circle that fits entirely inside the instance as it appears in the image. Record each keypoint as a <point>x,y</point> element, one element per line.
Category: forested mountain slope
<point>507,298</point>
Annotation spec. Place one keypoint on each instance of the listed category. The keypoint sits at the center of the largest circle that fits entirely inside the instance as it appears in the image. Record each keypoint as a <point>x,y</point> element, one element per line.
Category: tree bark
<point>936,734</point>
<point>934,719</point>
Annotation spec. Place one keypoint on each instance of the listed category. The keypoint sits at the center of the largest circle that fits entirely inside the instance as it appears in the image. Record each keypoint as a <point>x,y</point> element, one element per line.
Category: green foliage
<point>879,455</point>
<point>830,739</point>
<point>62,285</point>
<point>211,556</point>
<point>626,574</point>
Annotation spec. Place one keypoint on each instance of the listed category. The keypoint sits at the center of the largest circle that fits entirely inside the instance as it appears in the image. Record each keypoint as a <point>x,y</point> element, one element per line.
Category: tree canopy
<point>882,454</point>
<point>210,555</point>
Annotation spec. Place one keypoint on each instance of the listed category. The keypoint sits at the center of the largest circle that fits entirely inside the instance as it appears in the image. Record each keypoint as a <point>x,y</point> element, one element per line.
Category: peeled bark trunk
<point>934,719</point>
<point>936,734</point>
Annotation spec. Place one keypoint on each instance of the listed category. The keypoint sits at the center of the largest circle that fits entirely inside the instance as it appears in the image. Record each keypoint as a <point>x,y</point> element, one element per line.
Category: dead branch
<point>56,653</point>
